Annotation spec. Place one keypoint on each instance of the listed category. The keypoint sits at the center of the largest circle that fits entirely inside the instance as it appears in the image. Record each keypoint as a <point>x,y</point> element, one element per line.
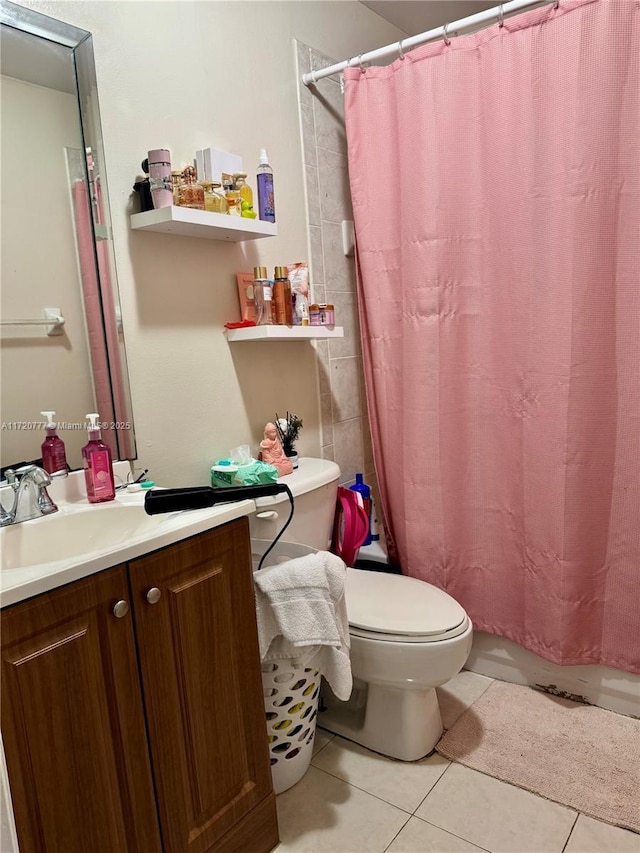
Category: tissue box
<point>215,162</point>
<point>225,474</point>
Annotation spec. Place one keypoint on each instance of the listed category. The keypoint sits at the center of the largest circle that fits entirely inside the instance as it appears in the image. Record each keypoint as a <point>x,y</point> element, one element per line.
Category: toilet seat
<point>397,608</point>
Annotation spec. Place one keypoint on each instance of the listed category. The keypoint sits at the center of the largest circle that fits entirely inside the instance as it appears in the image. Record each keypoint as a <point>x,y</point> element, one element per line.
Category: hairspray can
<point>160,177</point>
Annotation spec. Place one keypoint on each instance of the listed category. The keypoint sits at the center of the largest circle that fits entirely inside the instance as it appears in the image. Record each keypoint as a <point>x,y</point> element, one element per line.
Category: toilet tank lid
<point>309,475</point>
<point>397,604</point>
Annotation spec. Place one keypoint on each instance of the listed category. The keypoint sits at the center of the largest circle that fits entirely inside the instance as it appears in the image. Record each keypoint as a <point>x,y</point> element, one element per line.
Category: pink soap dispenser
<point>54,458</point>
<point>98,470</point>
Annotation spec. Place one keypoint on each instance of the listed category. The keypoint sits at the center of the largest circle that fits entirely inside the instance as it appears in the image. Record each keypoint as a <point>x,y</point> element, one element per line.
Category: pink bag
<point>350,525</point>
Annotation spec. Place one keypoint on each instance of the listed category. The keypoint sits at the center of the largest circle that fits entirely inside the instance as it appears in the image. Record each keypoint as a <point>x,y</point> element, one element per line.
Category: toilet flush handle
<point>269,515</point>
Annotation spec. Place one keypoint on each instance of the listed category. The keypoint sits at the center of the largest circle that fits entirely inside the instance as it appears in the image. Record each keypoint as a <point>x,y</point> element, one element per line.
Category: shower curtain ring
<point>500,15</point>
<point>447,40</point>
<point>362,68</point>
<point>556,4</point>
<point>400,50</point>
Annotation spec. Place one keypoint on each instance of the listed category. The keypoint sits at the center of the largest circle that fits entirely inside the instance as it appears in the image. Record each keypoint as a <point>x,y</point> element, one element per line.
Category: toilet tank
<point>314,485</point>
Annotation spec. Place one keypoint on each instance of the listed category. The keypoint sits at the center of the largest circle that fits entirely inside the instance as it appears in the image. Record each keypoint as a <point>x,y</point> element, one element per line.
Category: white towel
<point>302,615</point>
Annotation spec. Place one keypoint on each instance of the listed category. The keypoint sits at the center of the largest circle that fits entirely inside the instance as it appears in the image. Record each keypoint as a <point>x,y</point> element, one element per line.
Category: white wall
<point>186,75</point>
<point>37,238</point>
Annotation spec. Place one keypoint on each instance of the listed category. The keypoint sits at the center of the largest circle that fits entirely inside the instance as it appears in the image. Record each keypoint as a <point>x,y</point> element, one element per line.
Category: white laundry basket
<point>290,693</point>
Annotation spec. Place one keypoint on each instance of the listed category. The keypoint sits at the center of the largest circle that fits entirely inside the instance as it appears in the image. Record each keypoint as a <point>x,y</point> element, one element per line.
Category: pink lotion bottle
<point>98,470</point>
<point>54,458</point>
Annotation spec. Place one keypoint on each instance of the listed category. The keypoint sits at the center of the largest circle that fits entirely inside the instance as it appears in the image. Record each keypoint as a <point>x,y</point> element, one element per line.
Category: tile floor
<point>354,800</point>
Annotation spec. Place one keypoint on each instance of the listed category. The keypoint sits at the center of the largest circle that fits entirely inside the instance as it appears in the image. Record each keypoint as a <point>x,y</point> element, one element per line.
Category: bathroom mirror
<point>62,340</point>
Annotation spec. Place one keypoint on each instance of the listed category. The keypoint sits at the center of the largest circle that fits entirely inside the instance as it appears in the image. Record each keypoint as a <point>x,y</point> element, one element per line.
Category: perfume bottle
<point>190,192</point>
<point>176,181</point>
<point>262,297</point>
<point>246,193</point>
<point>160,177</point>
<point>232,195</point>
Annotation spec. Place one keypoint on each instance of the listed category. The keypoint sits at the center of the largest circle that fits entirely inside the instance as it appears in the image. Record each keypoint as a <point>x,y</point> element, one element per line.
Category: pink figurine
<point>272,452</point>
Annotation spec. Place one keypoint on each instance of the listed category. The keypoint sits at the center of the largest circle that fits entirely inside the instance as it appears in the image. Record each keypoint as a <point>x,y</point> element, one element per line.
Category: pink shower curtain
<point>496,198</point>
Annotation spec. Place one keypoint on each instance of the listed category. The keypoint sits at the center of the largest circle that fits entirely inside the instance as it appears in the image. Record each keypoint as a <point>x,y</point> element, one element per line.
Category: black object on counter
<point>199,497</point>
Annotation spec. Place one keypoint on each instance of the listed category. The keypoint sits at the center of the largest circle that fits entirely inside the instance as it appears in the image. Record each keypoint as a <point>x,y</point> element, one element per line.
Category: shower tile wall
<point>345,427</point>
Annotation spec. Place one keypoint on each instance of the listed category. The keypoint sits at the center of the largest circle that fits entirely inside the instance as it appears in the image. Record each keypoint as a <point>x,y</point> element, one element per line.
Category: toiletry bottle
<point>98,470</point>
<point>191,193</point>
<point>160,177</point>
<point>234,200</point>
<point>365,493</point>
<point>210,198</point>
<point>282,297</point>
<point>246,193</point>
<point>54,459</point>
<point>262,296</point>
<point>176,181</point>
<point>266,205</point>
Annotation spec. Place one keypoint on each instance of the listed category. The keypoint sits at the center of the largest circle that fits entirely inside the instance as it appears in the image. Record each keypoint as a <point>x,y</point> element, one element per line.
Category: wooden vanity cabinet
<point>141,731</point>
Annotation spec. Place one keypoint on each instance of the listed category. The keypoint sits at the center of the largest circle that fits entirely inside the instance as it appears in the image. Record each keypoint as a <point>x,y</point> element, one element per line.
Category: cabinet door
<point>202,687</point>
<point>72,722</point>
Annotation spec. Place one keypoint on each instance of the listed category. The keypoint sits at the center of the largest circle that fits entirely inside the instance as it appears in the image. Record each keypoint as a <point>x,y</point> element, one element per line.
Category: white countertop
<point>25,581</point>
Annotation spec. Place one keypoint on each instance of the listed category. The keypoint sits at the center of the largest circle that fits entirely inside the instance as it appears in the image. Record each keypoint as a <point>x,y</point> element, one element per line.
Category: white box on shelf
<point>216,162</point>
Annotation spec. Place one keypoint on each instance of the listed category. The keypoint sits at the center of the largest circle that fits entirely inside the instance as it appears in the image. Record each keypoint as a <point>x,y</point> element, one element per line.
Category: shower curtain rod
<point>401,47</point>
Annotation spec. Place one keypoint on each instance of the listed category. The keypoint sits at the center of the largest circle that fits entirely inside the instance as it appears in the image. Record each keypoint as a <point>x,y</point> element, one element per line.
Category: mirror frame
<point>80,43</point>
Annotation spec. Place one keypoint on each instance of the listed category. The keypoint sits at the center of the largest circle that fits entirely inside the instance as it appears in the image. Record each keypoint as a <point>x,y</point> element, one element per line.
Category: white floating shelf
<point>284,333</point>
<point>187,222</point>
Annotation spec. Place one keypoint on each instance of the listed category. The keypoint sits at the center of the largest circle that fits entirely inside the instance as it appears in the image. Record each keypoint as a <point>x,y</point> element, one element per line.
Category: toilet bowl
<point>407,636</point>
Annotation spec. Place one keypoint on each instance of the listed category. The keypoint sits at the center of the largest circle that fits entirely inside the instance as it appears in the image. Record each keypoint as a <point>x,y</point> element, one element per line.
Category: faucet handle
<point>10,477</point>
<point>39,476</point>
<point>25,469</point>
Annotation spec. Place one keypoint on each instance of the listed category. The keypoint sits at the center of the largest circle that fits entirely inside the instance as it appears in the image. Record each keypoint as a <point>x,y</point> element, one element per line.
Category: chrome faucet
<point>31,499</point>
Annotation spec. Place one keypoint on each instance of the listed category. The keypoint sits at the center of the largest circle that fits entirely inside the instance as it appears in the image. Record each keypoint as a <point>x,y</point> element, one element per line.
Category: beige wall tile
<point>322,352</point>
<point>316,273</point>
<point>328,453</point>
<point>346,316</point>
<point>335,198</point>
<point>340,271</point>
<point>308,135</point>
<point>328,110</point>
<point>346,388</point>
<point>347,440</point>
<point>313,195</point>
<point>326,419</point>
<point>303,61</point>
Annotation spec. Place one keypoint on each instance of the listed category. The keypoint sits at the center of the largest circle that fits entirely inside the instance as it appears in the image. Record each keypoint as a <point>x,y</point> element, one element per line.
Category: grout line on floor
<point>573,826</point>
<point>432,788</point>
<point>364,791</point>
<point>455,835</point>
<point>397,834</point>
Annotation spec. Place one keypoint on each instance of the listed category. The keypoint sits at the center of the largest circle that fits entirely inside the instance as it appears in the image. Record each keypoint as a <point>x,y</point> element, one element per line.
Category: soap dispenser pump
<point>54,458</point>
<point>98,469</point>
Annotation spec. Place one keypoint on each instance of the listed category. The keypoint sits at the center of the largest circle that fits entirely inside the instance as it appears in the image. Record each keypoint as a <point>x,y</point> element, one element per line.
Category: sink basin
<point>70,535</point>
<point>82,538</point>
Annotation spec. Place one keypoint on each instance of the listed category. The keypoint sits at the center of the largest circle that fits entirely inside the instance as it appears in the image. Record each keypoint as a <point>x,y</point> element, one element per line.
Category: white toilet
<point>407,636</point>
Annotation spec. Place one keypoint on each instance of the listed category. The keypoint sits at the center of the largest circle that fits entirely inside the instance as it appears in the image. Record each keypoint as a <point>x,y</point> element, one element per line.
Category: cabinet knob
<point>120,609</point>
<point>153,596</point>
